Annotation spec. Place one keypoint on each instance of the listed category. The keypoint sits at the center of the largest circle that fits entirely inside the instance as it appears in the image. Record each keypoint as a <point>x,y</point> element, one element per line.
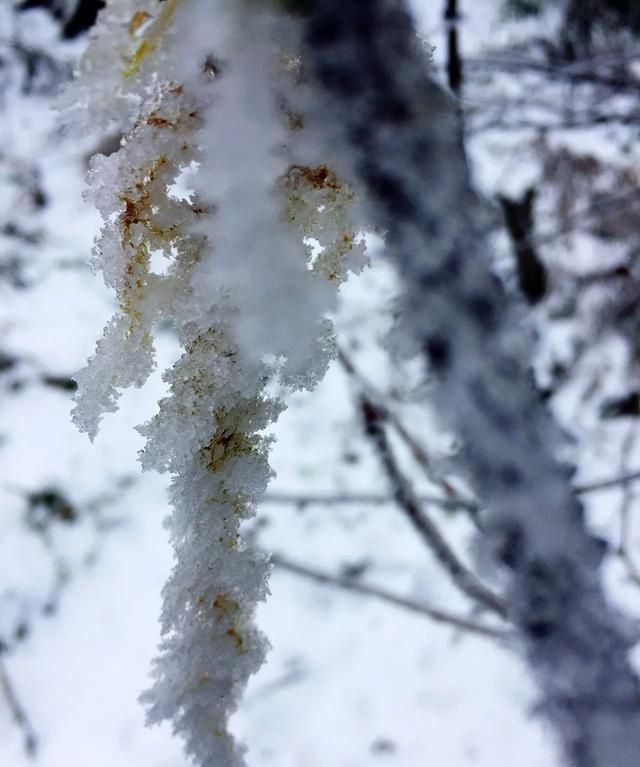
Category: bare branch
<point>608,484</point>
<point>624,551</point>
<point>407,501</point>
<point>450,504</point>
<point>361,499</point>
<point>575,73</point>
<point>348,584</point>
<point>18,712</point>
<point>589,214</point>
<point>374,399</point>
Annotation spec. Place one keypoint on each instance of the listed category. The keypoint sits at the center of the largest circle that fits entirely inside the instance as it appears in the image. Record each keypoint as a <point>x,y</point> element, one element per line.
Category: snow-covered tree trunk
<point>400,136</point>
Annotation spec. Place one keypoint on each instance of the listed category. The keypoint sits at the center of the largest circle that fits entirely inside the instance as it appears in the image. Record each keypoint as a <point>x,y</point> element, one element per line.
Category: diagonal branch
<point>349,584</point>
<point>18,712</point>
<point>406,499</point>
<point>608,484</point>
<point>417,451</point>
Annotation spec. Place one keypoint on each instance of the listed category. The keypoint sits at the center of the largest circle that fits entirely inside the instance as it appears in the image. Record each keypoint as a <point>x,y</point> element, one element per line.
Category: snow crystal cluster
<point>218,170</point>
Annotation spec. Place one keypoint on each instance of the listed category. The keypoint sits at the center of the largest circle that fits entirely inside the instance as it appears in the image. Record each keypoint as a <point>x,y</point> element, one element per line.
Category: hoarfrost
<point>209,87</point>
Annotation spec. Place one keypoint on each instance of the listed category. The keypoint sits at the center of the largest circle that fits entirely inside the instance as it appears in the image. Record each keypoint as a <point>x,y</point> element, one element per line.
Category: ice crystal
<point>256,247</point>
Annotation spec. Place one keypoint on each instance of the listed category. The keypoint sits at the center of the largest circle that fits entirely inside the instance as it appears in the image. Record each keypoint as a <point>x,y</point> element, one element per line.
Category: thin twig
<point>418,453</point>
<point>372,499</point>
<point>362,499</point>
<point>408,502</point>
<point>625,508</point>
<point>454,500</point>
<point>348,584</point>
<point>293,676</point>
<point>592,213</point>
<point>608,484</point>
<point>18,712</point>
<point>584,74</point>
<point>557,123</point>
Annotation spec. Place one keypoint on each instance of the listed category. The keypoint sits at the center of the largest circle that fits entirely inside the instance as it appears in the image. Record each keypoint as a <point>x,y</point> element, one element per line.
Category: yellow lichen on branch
<point>233,437</point>
<point>150,42</point>
<point>137,20</point>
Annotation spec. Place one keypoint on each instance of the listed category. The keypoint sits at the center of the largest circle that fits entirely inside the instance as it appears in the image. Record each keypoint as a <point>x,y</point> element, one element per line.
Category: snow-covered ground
<point>350,681</point>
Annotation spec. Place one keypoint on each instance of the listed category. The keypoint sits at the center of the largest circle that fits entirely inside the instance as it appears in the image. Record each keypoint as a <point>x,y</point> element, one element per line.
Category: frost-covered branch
<point>241,158</point>
<point>401,138</point>
<point>216,175</point>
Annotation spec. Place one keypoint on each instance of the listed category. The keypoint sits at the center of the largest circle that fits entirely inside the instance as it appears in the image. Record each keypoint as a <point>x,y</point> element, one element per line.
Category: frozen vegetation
<point>252,270</point>
<point>240,155</point>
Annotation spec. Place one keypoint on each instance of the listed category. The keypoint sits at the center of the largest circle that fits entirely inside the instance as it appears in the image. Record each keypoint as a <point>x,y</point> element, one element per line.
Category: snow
<point>246,304</point>
<point>348,681</point>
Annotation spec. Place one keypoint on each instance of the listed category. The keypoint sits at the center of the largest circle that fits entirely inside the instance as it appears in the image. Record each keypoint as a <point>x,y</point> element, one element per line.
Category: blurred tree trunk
<point>401,138</point>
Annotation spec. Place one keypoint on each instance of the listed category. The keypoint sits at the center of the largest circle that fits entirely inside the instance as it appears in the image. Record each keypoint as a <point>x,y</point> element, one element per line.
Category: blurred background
<point>378,657</point>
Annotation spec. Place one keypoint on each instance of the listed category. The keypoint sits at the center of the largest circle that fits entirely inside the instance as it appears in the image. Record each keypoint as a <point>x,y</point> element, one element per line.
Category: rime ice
<point>255,251</point>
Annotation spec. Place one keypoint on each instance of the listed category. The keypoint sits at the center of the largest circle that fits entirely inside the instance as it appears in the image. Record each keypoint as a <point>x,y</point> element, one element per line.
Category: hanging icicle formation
<point>210,99</point>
